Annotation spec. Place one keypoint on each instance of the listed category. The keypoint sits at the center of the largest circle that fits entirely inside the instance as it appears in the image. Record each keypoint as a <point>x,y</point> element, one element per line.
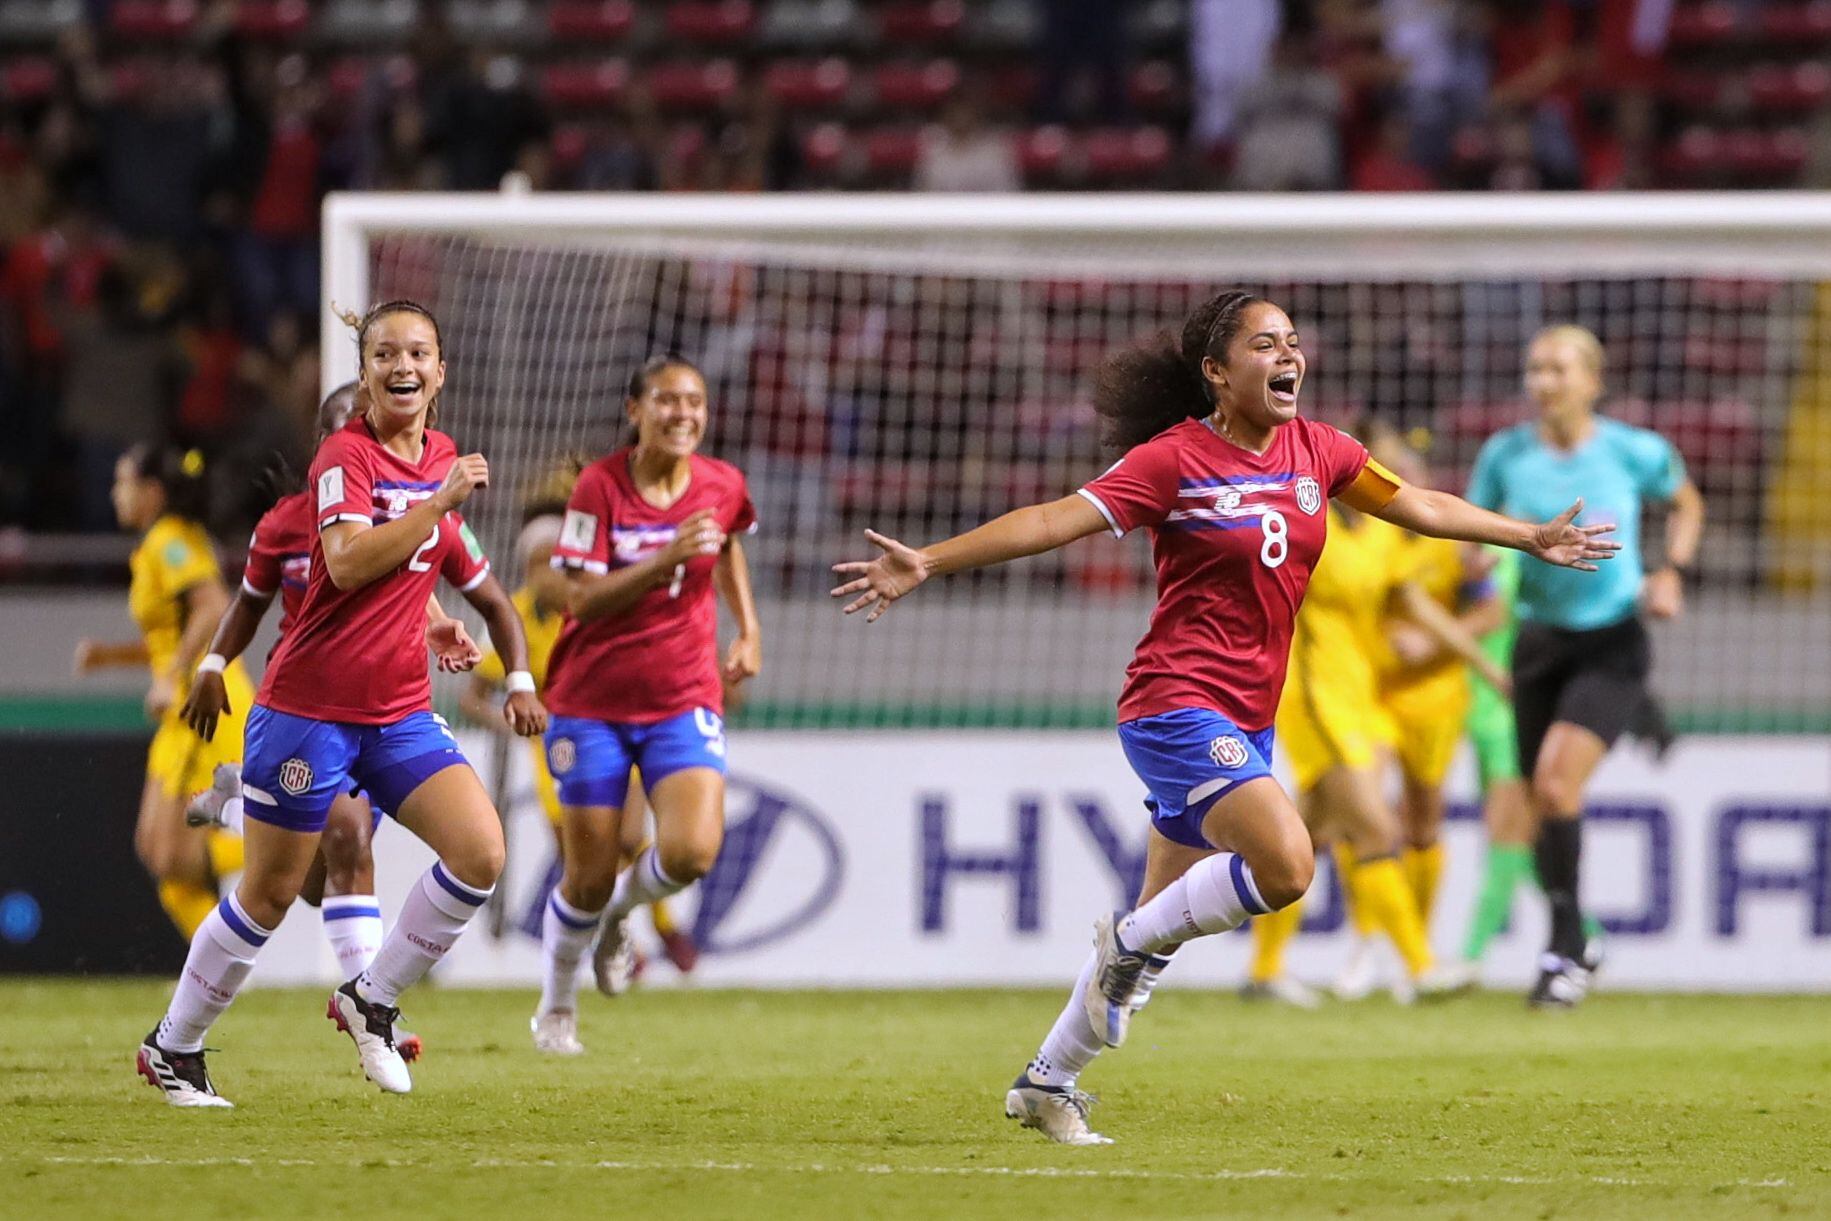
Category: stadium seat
<point>1703,25</point>
<point>28,78</point>
<point>711,22</point>
<point>699,85</point>
<point>892,152</point>
<point>803,85</point>
<point>272,20</point>
<point>1125,155</point>
<point>570,140</point>
<point>1014,87</point>
<point>1155,88</point>
<point>1692,89</point>
<point>585,85</point>
<point>590,20</point>
<point>152,19</point>
<point>1790,88</point>
<point>920,22</point>
<point>823,149</point>
<point>915,85</point>
<point>1795,25</point>
<point>808,25</point>
<point>1042,152</point>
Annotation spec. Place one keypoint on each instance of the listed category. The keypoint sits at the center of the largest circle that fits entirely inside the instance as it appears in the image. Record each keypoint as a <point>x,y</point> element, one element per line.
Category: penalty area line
<point>884,1169</point>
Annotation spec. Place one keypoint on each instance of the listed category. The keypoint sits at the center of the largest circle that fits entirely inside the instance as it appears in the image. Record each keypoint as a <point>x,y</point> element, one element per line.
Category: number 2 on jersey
<point>1277,545</point>
<point>419,562</point>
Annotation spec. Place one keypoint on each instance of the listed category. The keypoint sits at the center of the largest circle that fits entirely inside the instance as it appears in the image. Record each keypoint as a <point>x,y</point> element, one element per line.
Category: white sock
<point>643,882</point>
<point>1215,895</point>
<point>432,919</point>
<point>352,924</point>
<point>565,935</point>
<point>222,954</point>
<point>1071,1044</point>
<point>232,815</point>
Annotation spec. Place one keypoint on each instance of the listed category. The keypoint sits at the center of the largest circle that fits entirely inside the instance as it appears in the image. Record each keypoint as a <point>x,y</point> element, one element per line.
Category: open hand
<point>452,646</point>
<point>883,580</point>
<point>1560,542</point>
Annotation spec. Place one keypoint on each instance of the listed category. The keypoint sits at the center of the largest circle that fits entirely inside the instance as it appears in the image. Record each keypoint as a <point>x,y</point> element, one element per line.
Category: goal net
<point>918,365</point>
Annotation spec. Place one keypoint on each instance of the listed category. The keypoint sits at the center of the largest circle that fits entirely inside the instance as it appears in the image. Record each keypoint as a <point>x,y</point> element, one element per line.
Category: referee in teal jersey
<point>1581,662</point>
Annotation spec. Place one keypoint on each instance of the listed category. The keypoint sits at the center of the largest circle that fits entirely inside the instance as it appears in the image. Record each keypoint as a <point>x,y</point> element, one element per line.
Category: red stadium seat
<point>1155,88</point>
<point>586,85</point>
<point>570,140</point>
<point>1125,154</point>
<point>915,85</point>
<point>892,151</point>
<point>823,149</point>
<point>590,20</point>
<point>1798,87</point>
<point>803,85</point>
<point>1042,151</point>
<point>711,22</point>
<point>1692,89</point>
<point>1703,25</point>
<point>272,20</point>
<point>152,19</point>
<point>1698,152</point>
<point>28,78</point>
<point>921,21</point>
<point>693,85</point>
<point>1797,24</point>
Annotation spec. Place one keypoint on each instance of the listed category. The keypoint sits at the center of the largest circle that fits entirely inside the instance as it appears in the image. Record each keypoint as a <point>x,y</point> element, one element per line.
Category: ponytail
<point>181,473</point>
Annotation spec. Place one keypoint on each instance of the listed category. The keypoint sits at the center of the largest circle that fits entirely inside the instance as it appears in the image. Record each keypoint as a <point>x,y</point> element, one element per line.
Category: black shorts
<point>1596,679</point>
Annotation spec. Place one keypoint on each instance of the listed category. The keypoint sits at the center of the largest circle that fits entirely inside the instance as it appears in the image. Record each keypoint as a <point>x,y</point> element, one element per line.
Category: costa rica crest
<point>1227,751</point>
<point>295,775</point>
<point>1309,495</point>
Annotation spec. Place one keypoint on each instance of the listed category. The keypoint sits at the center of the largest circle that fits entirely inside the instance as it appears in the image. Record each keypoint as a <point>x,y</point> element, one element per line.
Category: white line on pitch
<point>1037,1172</point>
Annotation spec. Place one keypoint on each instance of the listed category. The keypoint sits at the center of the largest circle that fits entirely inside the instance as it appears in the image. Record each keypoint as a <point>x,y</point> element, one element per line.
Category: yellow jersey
<point>1428,704</point>
<point>174,557</point>
<point>542,631</point>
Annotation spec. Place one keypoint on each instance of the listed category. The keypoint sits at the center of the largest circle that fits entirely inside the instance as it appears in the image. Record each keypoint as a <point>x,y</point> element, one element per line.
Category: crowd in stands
<point>162,161</point>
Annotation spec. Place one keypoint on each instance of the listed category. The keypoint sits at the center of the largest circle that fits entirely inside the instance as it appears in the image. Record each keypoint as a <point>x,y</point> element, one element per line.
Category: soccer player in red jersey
<point>635,679</point>
<point>1230,482</point>
<point>346,699</point>
<point>341,883</point>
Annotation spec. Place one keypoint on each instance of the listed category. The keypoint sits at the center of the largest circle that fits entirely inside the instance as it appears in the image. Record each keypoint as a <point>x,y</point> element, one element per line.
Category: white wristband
<point>520,680</point>
<point>212,663</point>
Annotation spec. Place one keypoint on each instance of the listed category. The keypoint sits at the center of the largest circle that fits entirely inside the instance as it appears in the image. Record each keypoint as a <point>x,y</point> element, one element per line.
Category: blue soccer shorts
<point>591,759</point>
<point>293,767</point>
<point>1189,758</point>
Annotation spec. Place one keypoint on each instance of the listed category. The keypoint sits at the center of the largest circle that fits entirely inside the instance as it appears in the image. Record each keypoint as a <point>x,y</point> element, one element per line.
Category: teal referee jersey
<point>1614,471</point>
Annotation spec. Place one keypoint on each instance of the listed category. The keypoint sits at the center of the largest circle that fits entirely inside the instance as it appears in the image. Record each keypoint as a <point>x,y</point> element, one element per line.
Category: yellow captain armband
<point>1372,489</point>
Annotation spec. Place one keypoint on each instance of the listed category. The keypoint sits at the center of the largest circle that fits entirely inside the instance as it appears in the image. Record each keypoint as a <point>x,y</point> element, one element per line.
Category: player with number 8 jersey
<point>1231,484</point>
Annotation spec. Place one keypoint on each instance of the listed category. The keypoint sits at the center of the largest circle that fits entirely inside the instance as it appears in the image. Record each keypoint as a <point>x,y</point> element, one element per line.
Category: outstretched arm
<point>1442,515</point>
<point>1028,531</point>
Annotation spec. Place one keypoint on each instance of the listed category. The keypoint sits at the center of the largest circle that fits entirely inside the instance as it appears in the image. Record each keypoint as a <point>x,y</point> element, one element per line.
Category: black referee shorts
<point>1595,678</point>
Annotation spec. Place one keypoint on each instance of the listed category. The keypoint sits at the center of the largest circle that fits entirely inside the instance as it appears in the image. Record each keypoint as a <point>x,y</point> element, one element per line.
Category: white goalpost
<point>917,364</point>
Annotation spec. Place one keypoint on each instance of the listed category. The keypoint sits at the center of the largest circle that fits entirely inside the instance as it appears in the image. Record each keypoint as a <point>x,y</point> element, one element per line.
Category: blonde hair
<point>1579,337</point>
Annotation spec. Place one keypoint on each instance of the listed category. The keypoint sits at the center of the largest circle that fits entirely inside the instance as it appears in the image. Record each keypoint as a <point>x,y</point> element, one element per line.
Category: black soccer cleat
<point>181,1076</point>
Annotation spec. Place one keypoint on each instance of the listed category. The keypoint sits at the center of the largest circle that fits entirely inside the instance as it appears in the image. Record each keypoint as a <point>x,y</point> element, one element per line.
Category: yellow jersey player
<point>176,596</point>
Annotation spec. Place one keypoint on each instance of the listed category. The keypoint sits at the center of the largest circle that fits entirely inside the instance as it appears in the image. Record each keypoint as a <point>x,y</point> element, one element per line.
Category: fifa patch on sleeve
<point>177,555</point>
<point>580,533</point>
<point>330,488</point>
<point>472,547</point>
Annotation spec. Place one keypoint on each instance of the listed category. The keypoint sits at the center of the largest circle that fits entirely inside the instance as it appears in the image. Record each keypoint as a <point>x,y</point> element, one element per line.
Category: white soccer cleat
<point>1147,981</point>
<point>371,1027</point>
<point>1284,989</point>
<point>556,1032</point>
<point>613,959</point>
<point>1361,974</point>
<point>181,1076</point>
<point>1109,996</point>
<point>1057,1111</point>
<point>206,808</point>
<point>1448,979</point>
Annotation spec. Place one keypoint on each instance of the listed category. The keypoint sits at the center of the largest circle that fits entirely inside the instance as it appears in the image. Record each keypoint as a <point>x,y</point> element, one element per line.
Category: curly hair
<point>1141,390</point>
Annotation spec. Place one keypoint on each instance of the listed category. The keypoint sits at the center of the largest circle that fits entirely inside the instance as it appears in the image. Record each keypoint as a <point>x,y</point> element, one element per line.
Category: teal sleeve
<point>1484,480</point>
<point>1658,468</point>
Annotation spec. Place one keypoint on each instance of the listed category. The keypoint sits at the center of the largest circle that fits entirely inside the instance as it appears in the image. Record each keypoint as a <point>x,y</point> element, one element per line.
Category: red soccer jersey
<point>280,555</point>
<point>1234,535</point>
<point>661,658</point>
<point>359,655</point>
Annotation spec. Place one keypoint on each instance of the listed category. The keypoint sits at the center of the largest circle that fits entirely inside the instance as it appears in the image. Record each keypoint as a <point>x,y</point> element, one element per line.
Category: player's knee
<point>1554,793</point>
<point>346,852</point>
<point>1285,876</point>
<point>479,864</point>
<point>690,858</point>
<point>267,897</point>
<point>587,894</point>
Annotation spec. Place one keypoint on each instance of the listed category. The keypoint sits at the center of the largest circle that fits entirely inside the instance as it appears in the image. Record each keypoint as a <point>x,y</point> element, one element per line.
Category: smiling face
<point>402,368</point>
<point>670,416</point>
<point>1562,377</point>
<point>1263,373</point>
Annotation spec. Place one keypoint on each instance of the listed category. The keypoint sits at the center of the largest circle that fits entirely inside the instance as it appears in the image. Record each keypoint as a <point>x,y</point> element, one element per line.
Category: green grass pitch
<point>814,1105</point>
